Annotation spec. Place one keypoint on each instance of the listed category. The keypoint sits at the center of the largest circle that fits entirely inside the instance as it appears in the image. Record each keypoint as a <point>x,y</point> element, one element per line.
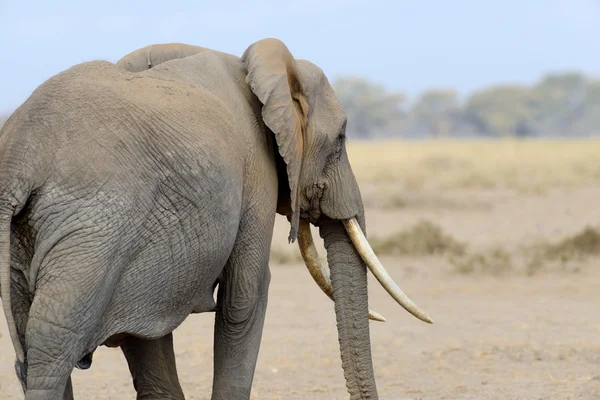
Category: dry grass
<point>583,244</point>
<point>420,174</point>
<point>280,256</point>
<point>524,165</point>
<point>496,261</point>
<point>423,239</point>
<point>564,255</point>
<point>387,198</point>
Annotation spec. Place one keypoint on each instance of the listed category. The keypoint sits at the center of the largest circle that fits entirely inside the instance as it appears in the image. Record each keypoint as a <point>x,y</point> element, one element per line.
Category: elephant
<point>155,54</point>
<point>127,198</point>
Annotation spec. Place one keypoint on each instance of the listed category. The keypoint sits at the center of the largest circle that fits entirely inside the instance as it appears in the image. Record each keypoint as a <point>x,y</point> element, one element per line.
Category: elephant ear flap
<point>273,78</point>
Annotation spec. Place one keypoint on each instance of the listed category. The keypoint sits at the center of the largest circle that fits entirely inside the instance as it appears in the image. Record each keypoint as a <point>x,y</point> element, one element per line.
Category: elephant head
<point>319,187</point>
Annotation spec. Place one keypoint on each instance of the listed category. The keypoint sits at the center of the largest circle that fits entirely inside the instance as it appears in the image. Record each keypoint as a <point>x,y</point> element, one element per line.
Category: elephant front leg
<point>152,367</point>
<point>240,315</point>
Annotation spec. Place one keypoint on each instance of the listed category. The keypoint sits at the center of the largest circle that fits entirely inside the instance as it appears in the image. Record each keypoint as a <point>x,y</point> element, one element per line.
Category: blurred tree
<point>370,108</point>
<point>501,111</point>
<point>437,111</point>
<point>559,102</point>
<point>589,122</point>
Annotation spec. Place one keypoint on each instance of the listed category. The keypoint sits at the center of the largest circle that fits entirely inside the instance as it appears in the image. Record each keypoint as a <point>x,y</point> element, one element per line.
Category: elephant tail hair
<point>5,281</point>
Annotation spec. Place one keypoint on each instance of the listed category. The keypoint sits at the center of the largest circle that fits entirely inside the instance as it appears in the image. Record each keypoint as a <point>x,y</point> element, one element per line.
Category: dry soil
<point>495,337</point>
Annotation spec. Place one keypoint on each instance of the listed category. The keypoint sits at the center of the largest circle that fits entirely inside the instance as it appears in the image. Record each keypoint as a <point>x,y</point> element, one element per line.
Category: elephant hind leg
<point>51,356</point>
<point>54,347</point>
<point>22,307</point>
<point>153,368</point>
<point>65,319</point>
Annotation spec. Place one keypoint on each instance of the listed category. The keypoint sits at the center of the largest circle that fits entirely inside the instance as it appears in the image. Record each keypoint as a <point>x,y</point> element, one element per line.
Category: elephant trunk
<point>349,281</point>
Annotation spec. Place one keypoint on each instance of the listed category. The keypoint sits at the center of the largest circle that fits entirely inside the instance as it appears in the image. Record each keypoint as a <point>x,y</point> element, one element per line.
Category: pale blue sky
<point>407,45</point>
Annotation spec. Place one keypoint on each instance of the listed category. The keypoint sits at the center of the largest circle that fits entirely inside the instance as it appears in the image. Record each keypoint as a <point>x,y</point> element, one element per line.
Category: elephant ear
<point>273,78</point>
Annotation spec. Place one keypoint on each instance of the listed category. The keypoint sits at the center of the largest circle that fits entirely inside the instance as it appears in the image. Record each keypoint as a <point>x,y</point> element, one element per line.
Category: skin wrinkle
<point>167,227</point>
<point>20,308</point>
<point>59,220</point>
<point>69,296</point>
<point>66,234</point>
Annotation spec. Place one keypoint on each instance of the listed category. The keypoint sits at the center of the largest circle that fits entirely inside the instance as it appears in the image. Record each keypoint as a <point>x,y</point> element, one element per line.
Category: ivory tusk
<point>366,252</point>
<point>317,270</point>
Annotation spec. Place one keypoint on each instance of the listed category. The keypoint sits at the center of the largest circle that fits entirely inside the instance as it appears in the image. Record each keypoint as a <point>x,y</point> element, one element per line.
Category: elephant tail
<point>22,167</point>
<point>5,282</point>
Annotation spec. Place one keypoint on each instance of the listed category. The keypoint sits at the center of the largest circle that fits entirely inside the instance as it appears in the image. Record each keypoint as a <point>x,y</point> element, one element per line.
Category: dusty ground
<point>507,337</point>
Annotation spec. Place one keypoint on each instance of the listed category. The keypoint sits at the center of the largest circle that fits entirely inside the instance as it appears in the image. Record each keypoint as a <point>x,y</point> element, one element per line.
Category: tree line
<point>566,104</point>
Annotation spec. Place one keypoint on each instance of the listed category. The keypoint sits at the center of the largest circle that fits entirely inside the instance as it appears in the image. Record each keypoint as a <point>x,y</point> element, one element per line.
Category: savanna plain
<point>498,241</point>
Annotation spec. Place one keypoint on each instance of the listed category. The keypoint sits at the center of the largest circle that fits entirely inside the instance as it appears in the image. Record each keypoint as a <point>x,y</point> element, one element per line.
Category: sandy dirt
<point>508,337</point>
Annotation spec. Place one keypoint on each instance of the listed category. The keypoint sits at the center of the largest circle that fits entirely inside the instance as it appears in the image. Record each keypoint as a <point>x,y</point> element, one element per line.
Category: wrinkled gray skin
<point>155,54</point>
<point>127,197</point>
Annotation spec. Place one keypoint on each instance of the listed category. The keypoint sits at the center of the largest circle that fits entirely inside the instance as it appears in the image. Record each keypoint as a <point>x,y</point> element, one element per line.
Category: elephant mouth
<point>320,272</point>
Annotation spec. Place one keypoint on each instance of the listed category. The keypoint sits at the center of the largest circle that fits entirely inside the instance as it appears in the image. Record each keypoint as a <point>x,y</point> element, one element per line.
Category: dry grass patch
<point>524,165</point>
<point>285,257</point>
<point>564,255</point>
<point>427,239</point>
<point>496,262</point>
<point>583,244</point>
<point>423,239</point>
<point>384,198</point>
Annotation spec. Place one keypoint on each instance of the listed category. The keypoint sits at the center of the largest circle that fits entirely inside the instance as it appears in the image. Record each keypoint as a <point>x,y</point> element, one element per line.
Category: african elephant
<point>155,54</point>
<point>126,198</point>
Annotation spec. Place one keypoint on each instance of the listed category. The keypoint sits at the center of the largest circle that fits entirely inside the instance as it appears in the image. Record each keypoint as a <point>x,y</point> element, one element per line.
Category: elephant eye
<point>341,136</point>
<point>339,145</point>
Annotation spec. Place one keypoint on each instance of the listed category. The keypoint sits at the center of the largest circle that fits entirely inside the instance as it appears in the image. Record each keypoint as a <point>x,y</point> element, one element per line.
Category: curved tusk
<point>317,270</point>
<point>311,258</point>
<point>366,252</point>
